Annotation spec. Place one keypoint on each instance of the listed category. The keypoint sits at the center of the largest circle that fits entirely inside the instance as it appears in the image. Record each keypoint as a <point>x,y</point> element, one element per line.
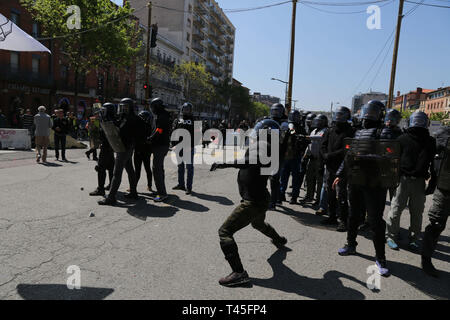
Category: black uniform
<point>333,153</point>
<point>129,130</point>
<point>142,154</point>
<point>105,162</point>
<point>391,133</point>
<point>440,209</point>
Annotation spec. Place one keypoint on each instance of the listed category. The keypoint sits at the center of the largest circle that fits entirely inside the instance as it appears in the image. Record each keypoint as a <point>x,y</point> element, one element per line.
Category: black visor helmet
<point>342,115</point>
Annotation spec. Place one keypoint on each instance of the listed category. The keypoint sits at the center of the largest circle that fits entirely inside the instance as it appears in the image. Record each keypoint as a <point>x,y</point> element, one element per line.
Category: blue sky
<point>335,51</point>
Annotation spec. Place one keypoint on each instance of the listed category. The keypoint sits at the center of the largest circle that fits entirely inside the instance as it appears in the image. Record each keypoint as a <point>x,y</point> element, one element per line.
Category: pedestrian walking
<point>43,123</point>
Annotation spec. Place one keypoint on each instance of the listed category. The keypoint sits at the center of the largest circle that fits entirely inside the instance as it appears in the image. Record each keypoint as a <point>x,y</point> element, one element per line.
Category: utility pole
<point>291,68</point>
<point>147,63</point>
<point>394,59</point>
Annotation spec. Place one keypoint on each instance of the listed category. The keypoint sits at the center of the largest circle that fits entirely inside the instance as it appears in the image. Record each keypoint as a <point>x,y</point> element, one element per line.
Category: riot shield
<point>444,171</point>
<point>112,134</point>
<point>373,163</point>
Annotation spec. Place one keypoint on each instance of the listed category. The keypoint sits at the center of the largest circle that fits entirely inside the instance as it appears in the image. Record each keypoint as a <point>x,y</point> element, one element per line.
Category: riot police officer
<point>418,149</point>
<point>308,121</point>
<point>128,124</point>
<point>296,145</point>
<point>277,114</point>
<point>254,204</point>
<point>186,162</point>
<point>143,151</point>
<point>160,142</point>
<point>333,152</point>
<point>439,211</point>
<point>370,194</point>
<point>314,171</point>
<point>106,157</point>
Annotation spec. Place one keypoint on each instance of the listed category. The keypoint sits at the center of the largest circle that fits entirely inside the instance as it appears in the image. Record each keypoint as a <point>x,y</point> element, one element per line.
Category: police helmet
<point>126,106</point>
<point>320,122</point>
<point>295,117</point>
<point>419,119</point>
<point>309,118</point>
<point>157,105</point>
<point>264,124</point>
<point>342,115</point>
<point>187,108</point>
<point>373,111</point>
<point>108,111</point>
<point>277,111</point>
<point>393,116</point>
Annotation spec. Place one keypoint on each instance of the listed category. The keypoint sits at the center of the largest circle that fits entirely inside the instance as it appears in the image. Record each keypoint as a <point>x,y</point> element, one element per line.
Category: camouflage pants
<point>248,212</point>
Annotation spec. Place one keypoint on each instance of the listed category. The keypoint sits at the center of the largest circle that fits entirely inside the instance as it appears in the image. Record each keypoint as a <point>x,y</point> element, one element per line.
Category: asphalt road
<point>143,250</point>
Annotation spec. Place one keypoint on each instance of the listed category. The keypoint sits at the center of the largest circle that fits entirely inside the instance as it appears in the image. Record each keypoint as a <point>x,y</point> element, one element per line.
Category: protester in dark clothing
<point>160,142</point>
<point>61,129</point>
<point>252,210</point>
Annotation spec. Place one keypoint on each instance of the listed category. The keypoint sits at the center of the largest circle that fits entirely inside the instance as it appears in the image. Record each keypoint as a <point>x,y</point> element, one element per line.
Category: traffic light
<point>100,85</point>
<point>148,90</point>
<point>154,36</point>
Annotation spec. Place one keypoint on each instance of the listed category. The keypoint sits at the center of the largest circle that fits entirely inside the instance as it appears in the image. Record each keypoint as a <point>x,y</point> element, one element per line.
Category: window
<point>35,65</point>
<point>187,50</point>
<point>35,32</point>
<point>15,17</point>
<point>15,61</point>
<point>188,38</point>
<point>64,73</point>
<point>188,23</point>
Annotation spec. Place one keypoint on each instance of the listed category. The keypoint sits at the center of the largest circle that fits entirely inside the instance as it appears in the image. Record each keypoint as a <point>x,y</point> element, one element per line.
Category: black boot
<point>428,268</point>
<point>107,202</point>
<point>98,192</point>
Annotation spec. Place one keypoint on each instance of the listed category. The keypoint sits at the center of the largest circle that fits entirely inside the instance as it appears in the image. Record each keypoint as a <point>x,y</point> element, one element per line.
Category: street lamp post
<point>286,92</point>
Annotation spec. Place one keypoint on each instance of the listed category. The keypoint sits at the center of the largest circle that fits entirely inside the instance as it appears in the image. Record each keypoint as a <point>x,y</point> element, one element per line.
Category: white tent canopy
<point>12,38</point>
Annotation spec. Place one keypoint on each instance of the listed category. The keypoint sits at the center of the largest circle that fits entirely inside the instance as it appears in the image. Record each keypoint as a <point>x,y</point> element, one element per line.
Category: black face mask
<point>369,124</point>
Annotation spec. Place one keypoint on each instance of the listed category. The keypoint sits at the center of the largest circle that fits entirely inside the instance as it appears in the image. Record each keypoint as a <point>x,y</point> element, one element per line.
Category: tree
<point>108,36</point>
<point>406,114</point>
<point>197,86</point>
<point>260,109</point>
<point>439,116</point>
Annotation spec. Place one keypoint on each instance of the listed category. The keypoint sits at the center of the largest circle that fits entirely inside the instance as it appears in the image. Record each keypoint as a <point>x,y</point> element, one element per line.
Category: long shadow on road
<point>305,218</point>
<point>286,280</point>
<point>61,292</point>
<point>219,199</point>
<point>413,275</point>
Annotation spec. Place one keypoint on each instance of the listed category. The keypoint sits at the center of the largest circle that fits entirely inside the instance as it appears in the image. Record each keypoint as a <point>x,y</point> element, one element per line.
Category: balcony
<point>64,85</point>
<point>164,61</point>
<point>158,83</point>
<point>198,21</point>
<point>198,34</point>
<point>25,76</point>
<point>197,46</point>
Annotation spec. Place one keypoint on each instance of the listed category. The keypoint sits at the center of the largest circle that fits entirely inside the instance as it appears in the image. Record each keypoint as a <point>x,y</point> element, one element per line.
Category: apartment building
<point>361,99</point>
<point>437,101</point>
